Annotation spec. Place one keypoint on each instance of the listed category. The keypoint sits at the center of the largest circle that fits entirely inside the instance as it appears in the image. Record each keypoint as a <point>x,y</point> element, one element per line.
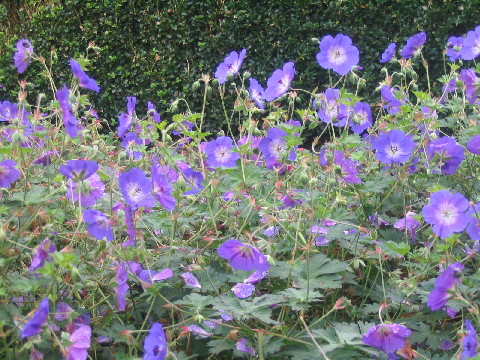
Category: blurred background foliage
<point>156,49</point>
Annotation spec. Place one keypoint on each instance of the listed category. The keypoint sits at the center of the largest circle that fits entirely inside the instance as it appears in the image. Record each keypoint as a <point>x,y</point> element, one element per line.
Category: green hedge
<point>155,49</point>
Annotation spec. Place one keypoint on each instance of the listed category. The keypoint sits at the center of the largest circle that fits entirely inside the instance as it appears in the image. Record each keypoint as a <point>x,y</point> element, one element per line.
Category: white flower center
<point>135,192</point>
<point>447,213</point>
<point>393,150</point>
<point>337,55</point>
<point>277,146</point>
<point>222,154</point>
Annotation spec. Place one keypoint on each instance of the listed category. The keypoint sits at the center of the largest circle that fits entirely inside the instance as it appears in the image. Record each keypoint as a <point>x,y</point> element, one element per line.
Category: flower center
<point>134,192</point>
<point>337,55</point>
<point>393,151</point>
<point>447,214</point>
<point>277,146</point>
<point>222,154</point>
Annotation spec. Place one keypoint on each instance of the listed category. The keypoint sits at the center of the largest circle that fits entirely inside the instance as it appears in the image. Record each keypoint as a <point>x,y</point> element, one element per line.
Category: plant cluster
<point>161,240</point>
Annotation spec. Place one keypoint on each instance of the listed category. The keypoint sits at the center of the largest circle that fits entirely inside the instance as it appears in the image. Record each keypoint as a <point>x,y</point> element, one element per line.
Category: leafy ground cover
<point>159,240</point>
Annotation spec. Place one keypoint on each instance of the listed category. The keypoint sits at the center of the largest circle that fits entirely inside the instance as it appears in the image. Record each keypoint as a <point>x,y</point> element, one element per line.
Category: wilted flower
<point>155,344</point>
<point>242,290</point>
<point>198,331</point>
<point>190,279</point>
<point>414,43</point>
<point>389,53</point>
<point>279,83</point>
<point>444,284</point>
<point>446,213</point>
<point>83,79</point>
<point>387,337</point>
<point>23,55</point>
<point>243,257</point>
<point>98,224</point>
<point>241,345</point>
<point>39,318</point>
<point>63,311</point>
<point>69,120</point>
<point>230,66</point>
<point>393,147</point>
<point>219,153</point>
<point>409,223</point>
<point>338,53</point>
<point>152,112</point>
<point>42,254</point>
<point>135,187</point>
<point>469,342</point>
<point>8,173</point>
<point>80,340</point>
<point>471,45</point>
<point>256,93</point>
<point>450,153</point>
<point>454,47</point>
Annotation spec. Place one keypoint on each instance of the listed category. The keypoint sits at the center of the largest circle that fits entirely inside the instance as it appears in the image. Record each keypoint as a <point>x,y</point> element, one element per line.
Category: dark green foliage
<point>155,49</point>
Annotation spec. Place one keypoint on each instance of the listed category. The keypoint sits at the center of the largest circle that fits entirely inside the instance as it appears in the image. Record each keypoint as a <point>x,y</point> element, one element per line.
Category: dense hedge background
<point>156,49</point>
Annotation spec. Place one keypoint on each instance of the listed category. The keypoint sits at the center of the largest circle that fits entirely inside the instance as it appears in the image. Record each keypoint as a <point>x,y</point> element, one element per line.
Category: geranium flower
<point>388,96</point>
<point>63,311</point>
<point>87,191</point>
<point>219,153</point>
<point>273,146</point>
<point>83,79</point>
<point>469,342</point>
<point>243,257</point>
<point>69,120</point>
<point>193,179</point>
<point>162,189</point>
<point>256,93</point>
<point>361,117</point>
<point>125,120</point>
<point>230,66</point>
<point>148,276</point>
<point>470,79</point>
<point>444,284</point>
<point>135,187</point>
<point>42,254</point>
<point>80,340</point>
<point>279,83</point>
<point>393,147</point>
<point>198,331</point>
<point>387,337</point>
<point>414,43</point>
<point>190,279</point>
<point>131,142</point>
<point>78,170</point>
<point>330,109</point>
<point>39,318</point>
<point>409,223</point>
<point>473,227</point>
<point>98,224</point>
<point>473,145</point>
<point>471,45</point>
<point>155,344</point>
<point>454,47</point>
<point>242,290</point>
<point>23,55</point>
<point>338,53</point>
<point>446,213</point>
<point>152,112</point>
<point>241,345</point>
<point>451,154</point>
<point>388,53</point>
<point>8,173</point>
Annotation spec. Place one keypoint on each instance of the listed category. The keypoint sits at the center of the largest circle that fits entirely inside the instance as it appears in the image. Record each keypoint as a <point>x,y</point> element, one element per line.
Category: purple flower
<point>241,345</point>
<point>152,112</point>
<point>83,79</point>
<point>256,93</point>
<point>198,331</point>
<point>125,120</point>
<point>88,191</point>
<point>242,290</point>
<point>155,344</point>
<point>414,44</point>
<point>388,96</point>
<point>78,170</point>
<point>63,311</point>
<point>219,153</point>
<point>190,279</point>
<point>279,83</point>
<point>98,224</point>
<point>393,147</point>
<point>319,240</point>
<point>338,53</point>
<point>470,79</point>
<point>330,109</point>
<point>80,340</point>
<point>469,342</point>
<point>471,45</point>
<point>446,212</point>
<point>473,145</point>
<point>444,284</point>
<point>388,53</point>
<point>147,276</point>
<point>9,112</point>
<point>69,120</point>
<point>23,55</point>
<point>256,276</point>
<point>361,117</point>
<point>121,277</point>
<point>34,325</point>
<point>454,47</point>
<point>8,173</point>
<point>348,168</point>
<point>135,187</point>
<point>162,189</point>
<point>387,337</point>
<point>42,254</point>
<point>273,146</point>
<point>230,66</point>
<point>408,223</point>
<point>473,227</point>
<point>193,179</point>
<point>243,257</point>
<point>450,153</point>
